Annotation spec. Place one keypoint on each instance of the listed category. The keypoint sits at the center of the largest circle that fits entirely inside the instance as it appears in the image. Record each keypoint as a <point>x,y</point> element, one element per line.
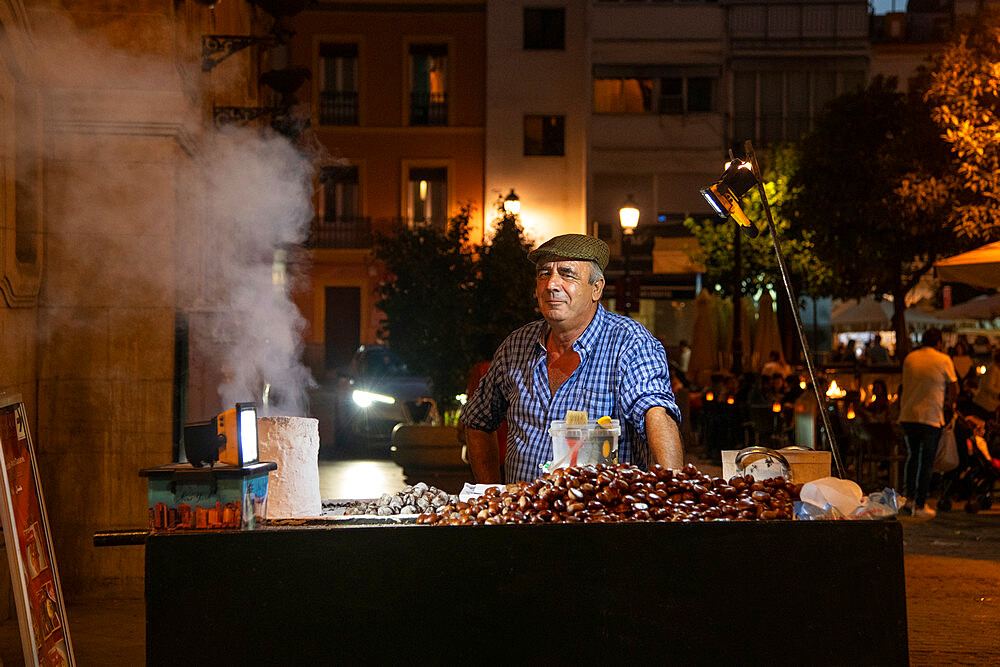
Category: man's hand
<point>484,456</point>
<point>664,439</point>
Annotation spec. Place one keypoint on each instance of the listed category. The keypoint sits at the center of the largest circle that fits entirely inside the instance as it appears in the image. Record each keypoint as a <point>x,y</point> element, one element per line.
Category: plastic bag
<point>878,505</point>
<point>946,458</point>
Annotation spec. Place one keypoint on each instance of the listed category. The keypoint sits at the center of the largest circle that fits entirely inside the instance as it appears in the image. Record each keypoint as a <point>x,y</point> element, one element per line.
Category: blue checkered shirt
<point>623,373</point>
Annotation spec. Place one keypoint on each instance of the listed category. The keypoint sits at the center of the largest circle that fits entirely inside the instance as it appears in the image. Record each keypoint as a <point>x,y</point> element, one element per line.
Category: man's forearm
<point>664,439</point>
<point>484,456</point>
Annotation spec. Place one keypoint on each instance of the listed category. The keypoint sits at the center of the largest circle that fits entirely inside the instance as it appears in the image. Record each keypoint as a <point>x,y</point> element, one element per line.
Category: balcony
<point>340,234</point>
<point>428,109</point>
<point>338,108</point>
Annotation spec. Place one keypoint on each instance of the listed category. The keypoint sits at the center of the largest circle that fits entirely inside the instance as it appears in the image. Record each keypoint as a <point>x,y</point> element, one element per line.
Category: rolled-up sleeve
<point>487,407</point>
<point>645,383</point>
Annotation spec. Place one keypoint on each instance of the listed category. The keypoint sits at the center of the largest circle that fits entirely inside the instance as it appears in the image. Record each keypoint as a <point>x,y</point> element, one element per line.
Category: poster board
<point>41,610</point>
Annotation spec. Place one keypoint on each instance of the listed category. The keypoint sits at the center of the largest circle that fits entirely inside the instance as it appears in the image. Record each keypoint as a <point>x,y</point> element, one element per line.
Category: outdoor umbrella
<point>984,307</point>
<point>724,307</point>
<point>870,315</point>
<point>766,336</point>
<point>979,267</point>
<point>704,339</point>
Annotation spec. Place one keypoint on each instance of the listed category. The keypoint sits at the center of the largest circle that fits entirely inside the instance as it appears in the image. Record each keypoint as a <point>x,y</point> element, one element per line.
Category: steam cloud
<point>243,198</point>
<point>257,204</point>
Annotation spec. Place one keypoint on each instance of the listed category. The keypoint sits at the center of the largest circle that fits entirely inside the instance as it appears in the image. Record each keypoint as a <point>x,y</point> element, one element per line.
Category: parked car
<point>375,392</point>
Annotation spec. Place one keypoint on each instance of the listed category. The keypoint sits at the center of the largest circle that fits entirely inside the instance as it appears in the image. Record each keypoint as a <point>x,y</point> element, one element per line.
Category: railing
<point>338,108</point>
<point>358,232</point>
<point>428,108</point>
<point>340,233</point>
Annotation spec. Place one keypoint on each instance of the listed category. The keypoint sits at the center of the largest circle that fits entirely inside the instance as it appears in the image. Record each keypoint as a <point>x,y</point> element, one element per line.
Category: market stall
<point>594,561</point>
<point>829,592</point>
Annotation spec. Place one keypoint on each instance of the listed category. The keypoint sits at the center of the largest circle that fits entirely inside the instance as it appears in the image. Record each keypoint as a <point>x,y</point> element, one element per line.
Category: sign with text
<point>41,609</point>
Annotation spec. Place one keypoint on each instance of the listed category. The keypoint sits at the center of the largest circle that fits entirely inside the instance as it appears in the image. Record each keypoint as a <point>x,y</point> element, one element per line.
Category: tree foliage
<point>503,292</point>
<point>869,189</point>
<point>427,301</point>
<point>716,238</point>
<point>448,303</point>
<point>963,90</point>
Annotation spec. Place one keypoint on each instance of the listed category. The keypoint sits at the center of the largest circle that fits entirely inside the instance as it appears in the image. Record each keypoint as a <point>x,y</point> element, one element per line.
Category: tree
<point>503,291</point>
<point>427,301</point>
<point>963,86</point>
<point>759,264</point>
<point>868,188</point>
<point>448,303</point>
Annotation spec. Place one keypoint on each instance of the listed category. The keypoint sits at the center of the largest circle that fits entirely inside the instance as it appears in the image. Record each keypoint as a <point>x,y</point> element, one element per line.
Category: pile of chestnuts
<point>623,493</point>
<point>412,499</point>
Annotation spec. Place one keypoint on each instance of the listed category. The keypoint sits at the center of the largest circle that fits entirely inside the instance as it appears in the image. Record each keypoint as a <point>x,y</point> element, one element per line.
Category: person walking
<point>929,384</point>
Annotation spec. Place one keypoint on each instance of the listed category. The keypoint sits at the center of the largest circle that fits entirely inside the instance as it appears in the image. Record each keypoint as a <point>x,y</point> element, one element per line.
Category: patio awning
<point>979,267</point>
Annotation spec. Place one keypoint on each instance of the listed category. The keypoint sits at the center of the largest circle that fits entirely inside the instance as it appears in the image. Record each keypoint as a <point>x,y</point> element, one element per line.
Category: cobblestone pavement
<point>953,610</point>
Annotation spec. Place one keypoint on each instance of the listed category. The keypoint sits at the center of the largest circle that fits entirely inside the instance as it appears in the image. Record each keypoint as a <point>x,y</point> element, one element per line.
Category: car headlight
<point>366,398</point>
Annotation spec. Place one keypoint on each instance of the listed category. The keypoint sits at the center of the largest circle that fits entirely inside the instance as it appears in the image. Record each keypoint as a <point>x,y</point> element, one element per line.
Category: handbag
<point>946,459</point>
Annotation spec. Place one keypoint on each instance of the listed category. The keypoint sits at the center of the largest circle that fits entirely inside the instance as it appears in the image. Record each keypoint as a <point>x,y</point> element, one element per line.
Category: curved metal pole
<point>790,291</point>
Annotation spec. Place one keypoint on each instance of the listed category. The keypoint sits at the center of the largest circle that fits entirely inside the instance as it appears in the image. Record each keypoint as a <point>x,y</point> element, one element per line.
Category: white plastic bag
<point>946,458</point>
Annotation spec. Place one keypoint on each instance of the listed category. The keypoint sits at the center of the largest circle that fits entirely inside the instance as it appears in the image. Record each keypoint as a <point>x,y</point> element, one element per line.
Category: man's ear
<point>598,290</point>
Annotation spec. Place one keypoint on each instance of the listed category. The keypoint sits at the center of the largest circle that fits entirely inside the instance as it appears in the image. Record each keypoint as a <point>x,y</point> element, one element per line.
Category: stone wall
<point>111,99</point>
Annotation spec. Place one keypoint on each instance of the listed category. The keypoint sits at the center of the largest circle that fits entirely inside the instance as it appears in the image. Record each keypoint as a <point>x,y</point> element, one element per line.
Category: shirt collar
<point>587,340</point>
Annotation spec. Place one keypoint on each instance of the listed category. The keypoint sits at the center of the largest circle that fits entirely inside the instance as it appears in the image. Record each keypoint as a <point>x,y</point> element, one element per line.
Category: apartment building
<point>397,103</point>
<point>652,94</point>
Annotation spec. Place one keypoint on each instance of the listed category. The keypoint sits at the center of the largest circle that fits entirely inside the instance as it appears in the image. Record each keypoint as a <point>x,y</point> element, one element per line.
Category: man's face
<point>564,292</point>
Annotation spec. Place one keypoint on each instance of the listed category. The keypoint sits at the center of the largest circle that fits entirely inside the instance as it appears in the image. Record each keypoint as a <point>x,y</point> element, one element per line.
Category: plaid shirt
<point>623,372</point>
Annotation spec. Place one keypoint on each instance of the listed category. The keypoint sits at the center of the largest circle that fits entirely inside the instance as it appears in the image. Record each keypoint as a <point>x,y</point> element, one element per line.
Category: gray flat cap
<point>573,246</point>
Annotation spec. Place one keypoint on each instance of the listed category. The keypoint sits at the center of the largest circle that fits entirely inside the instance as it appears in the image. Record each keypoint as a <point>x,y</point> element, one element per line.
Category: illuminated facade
<point>396,101</point>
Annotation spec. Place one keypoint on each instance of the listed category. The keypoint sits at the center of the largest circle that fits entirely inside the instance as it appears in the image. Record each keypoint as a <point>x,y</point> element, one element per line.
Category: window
<point>623,95</point>
<point>338,84</point>
<point>686,94</point>
<point>544,28</point>
<point>427,196</point>
<point>776,105</point>
<point>700,93</point>
<point>544,135</point>
<point>428,84</point>
<point>340,194</point>
<point>653,94</point>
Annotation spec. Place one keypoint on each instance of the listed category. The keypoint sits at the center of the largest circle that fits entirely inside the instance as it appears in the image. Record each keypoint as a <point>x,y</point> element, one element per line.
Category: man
<point>578,357</point>
<point>877,354</point>
<point>929,383</point>
<point>775,365</point>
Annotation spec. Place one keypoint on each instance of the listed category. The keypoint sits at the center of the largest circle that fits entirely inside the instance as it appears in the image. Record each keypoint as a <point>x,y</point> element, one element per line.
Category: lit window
<point>428,84</point>
<point>427,196</point>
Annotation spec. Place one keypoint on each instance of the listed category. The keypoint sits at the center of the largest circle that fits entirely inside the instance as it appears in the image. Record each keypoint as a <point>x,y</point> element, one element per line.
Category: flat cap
<point>573,246</point>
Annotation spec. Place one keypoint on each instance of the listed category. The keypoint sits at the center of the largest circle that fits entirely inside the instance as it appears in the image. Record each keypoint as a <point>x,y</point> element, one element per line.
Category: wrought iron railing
<point>340,233</point>
<point>338,108</point>
<point>428,108</point>
<point>343,233</point>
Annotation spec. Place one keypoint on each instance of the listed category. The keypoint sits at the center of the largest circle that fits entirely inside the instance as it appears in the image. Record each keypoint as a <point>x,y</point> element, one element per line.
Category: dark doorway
<point>342,326</point>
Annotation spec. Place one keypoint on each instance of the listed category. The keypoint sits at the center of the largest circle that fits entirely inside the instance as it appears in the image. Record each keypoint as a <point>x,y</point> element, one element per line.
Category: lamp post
<point>724,196</point>
<point>511,203</point>
<point>628,216</point>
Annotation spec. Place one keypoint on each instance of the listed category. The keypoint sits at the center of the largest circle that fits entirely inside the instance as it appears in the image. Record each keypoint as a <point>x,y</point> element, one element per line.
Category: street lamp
<point>724,196</point>
<point>628,215</point>
<point>512,203</point>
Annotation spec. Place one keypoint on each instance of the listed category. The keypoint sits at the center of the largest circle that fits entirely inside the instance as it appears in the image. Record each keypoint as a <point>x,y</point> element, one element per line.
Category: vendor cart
<point>786,592</point>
